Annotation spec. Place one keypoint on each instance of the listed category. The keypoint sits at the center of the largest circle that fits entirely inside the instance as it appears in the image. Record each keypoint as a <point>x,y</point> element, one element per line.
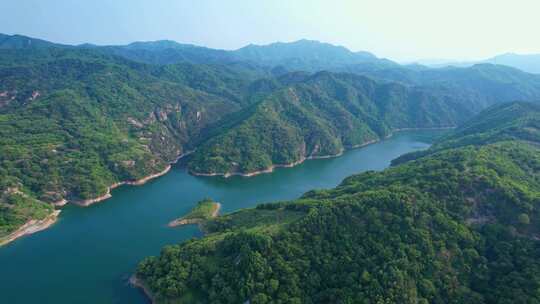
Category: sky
<point>402,30</point>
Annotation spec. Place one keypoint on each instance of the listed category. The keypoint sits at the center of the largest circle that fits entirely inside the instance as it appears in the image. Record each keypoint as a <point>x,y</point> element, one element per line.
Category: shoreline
<point>30,227</point>
<point>290,165</point>
<point>139,284</point>
<point>138,182</point>
<point>181,221</point>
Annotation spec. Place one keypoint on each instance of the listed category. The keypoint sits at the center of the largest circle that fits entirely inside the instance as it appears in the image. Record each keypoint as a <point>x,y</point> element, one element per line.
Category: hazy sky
<point>399,29</point>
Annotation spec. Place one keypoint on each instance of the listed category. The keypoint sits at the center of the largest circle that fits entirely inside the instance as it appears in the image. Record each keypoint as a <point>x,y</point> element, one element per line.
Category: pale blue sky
<point>397,29</point>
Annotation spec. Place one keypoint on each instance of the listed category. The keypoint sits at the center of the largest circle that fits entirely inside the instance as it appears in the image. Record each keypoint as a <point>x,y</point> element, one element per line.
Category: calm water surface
<point>89,254</point>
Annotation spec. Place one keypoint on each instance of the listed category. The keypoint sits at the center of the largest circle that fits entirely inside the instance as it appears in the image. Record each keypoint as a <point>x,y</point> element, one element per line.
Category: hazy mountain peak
<point>23,42</point>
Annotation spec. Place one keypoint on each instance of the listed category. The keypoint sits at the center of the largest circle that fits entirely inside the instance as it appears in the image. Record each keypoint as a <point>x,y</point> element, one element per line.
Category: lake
<point>89,254</point>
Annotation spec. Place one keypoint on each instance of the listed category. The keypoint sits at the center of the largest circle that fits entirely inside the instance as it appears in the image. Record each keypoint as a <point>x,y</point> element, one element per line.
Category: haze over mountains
<point>302,54</point>
<point>526,62</point>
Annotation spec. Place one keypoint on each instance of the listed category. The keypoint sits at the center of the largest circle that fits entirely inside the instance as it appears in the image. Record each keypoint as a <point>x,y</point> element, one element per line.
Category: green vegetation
<point>75,120</point>
<point>17,209</point>
<point>320,115</point>
<point>203,211</point>
<point>459,224</point>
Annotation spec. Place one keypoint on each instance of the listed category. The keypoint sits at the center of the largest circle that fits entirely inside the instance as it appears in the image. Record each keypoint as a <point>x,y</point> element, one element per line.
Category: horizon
<point>423,61</point>
<point>404,32</point>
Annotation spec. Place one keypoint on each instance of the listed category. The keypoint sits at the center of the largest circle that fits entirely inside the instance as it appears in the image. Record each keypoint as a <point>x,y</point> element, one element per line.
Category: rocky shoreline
<point>249,174</point>
<point>271,168</point>
<point>289,165</point>
<point>139,182</point>
<point>138,283</point>
<point>142,181</point>
<point>30,227</point>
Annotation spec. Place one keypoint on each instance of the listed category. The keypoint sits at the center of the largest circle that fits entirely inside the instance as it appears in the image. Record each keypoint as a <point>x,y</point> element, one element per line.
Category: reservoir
<point>89,254</point>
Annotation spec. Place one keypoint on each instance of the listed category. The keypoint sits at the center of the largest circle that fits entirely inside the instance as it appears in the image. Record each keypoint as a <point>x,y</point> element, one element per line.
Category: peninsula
<point>203,211</point>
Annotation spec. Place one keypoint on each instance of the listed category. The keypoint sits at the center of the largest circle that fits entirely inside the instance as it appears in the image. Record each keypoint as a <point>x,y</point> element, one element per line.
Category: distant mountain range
<point>303,54</point>
<point>526,62</point>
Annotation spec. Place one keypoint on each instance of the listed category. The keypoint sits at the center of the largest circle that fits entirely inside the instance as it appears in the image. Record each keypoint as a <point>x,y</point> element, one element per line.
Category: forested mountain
<point>321,115</point>
<point>301,55</point>
<point>458,225</point>
<point>477,87</point>
<point>169,52</point>
<point>75,120</point>
<point>307,55</point>
<point>23,42</point>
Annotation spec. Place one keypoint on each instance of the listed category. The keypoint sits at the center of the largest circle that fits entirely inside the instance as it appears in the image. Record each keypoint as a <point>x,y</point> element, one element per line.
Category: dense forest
<point>75,120</point>
<point>321,115</point>
<point>457,224</point>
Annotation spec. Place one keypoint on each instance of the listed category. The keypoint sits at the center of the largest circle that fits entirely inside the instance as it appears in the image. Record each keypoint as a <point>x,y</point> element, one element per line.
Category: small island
<point>204,210</point>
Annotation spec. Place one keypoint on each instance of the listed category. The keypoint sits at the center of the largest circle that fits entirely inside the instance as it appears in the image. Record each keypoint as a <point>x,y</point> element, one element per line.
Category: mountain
<point>528,63</point>
<point>304,55</point>
<point>459,225</point>
<point>307,55</point>
<point>24,42</point>
<point>477,87</point>
<point>170,52</point>
<point>320,116</point>
<point>76,121</point>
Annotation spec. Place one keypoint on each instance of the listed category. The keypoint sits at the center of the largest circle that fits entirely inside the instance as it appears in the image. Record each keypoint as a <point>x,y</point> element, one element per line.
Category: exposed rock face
<point>34,96</point>
<point>6,97</point>
<point>128,163</point>
<point>132,121</point>
<point>161,114</point>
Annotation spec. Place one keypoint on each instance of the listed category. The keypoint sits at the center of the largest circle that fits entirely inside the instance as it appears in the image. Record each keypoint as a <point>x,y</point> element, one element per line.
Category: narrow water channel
<point>90,253</point>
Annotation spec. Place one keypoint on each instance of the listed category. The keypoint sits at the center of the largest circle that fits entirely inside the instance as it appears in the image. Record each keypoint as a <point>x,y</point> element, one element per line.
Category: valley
<point>356,205</point>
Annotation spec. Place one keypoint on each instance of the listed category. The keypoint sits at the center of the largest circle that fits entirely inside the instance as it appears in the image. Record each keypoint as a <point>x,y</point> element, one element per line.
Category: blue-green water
<point>89,254</point>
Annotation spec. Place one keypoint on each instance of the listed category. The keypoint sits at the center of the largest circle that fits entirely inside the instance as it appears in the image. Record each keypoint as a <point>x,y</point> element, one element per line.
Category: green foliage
<point>17,208</point>
<point>203,210</point>
<point>75,121</point>
<point>319,115</point>
<point>458,225</point>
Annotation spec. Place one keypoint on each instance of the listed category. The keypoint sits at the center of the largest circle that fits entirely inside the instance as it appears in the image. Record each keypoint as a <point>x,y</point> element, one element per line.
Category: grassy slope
<point>203,210</point>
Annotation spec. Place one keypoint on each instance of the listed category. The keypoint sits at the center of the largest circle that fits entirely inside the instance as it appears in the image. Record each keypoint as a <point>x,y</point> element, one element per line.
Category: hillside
<point>75,122</point>
<point>307,55</point>
<point>303,55</point>
<point>525,62</point>
<point>320,115</point>
<point>475,87</point>
<point>459,225</point>
<point>529,63</point>
<point>507,121</point>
